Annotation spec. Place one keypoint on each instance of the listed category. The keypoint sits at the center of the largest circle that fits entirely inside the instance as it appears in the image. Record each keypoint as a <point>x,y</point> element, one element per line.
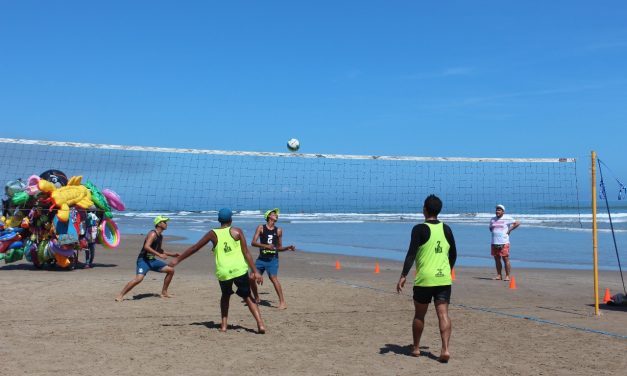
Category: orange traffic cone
<point>337,265</point>
<point>376,268</point>
<point>453,274</point>
<point>607,296</point>
<point>512,283</point>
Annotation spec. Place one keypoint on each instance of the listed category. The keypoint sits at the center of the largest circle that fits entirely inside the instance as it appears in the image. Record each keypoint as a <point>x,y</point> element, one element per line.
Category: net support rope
<point>609,215</point>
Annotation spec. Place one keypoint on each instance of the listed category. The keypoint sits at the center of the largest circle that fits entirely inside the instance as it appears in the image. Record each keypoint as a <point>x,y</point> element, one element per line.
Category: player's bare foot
<point>167,295</point>
<point>415,351</point>
<point>497,278</point>
<point>444,357</point>
<point>506,278</point>
<point>282,306</point>
<point>223,329</point>
<point>261,329</point>
<point>119,298</point>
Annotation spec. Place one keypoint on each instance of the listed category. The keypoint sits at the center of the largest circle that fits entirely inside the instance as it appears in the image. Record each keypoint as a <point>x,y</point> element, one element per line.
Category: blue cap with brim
<point>225,215</point>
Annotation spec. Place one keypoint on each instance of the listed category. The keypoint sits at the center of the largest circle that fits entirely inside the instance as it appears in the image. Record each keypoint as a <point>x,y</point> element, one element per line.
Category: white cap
<point>499,206</point>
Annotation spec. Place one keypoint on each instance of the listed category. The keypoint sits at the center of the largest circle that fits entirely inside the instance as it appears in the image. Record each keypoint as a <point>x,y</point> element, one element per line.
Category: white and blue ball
<point>293,144</point>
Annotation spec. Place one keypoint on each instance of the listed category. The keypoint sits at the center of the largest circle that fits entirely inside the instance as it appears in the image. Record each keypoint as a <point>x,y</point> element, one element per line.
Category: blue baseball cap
<point>225,215</point>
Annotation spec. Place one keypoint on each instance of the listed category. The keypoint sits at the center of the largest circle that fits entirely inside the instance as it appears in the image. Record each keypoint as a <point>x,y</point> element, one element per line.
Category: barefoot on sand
<point>261,329</point>
<point>444,357</point>
<point>166,295</point>
<point>282,306</point>
<point>415,351</point>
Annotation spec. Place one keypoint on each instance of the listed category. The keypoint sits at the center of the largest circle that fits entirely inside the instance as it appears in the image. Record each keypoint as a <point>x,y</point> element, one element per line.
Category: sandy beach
<point>338,322</point>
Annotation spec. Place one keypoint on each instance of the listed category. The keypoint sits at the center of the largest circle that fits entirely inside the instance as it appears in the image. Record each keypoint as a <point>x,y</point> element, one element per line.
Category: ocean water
<point>543,241</point>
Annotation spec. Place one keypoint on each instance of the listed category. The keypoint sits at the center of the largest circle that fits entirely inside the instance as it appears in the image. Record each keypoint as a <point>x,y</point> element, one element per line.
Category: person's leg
<point>224,311</point>
<point>441,307</point>
<point>499,268</point>
<point>418,325</point>
<point>87,256</point>
<point>279,291</point>
<point>226,287</point>
<point>273,273</point>
<point>254,309</point>
<point>253,289</point>
<point>92,253</point>
<point>129,286</point>
<point>166,281</point>
<point>508,267</point>
<point>260,265</point>
<point>243,291</point>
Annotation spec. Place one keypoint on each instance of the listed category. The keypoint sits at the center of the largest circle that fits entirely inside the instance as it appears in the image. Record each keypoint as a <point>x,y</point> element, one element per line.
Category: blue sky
<point>448,78</point>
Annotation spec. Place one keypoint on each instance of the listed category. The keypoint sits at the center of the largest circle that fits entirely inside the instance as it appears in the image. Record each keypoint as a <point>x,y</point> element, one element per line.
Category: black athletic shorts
<point>242,283</point>
<point>423,295</point>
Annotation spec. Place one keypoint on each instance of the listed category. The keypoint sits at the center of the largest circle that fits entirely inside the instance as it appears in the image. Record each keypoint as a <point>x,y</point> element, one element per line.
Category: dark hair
<point>433,205</point>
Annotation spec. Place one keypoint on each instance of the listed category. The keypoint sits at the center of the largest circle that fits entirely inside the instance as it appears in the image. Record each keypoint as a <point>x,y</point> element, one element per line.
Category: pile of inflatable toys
<point>49,219</point>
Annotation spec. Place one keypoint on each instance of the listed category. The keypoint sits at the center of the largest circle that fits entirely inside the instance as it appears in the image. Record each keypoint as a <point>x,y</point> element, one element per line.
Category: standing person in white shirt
<point>500,227</point>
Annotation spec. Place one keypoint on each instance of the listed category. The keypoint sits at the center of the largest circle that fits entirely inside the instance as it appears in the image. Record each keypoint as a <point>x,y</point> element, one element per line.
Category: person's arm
<point>175,254</point>
<point>209,237</point>
<point>147,245</point>
<point>255,242</point>
<point>452,252</point>
<point>239,235</point>
<point>281,248</point>
<point>513,227</point>
<point>415,242</point>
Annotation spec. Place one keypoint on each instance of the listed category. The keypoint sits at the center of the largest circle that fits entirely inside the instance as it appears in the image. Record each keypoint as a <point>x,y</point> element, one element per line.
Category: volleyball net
<point>158,179</point>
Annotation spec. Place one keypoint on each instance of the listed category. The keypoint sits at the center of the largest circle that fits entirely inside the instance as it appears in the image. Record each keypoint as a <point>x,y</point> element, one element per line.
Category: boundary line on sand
<point>489,310</point>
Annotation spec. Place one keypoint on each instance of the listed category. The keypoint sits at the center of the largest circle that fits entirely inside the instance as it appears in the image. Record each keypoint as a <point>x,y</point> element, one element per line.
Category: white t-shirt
<point>499,228</point>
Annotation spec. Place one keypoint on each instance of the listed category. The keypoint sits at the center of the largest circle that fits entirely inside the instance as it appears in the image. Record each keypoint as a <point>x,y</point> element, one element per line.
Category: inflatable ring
<point>113,199</point>
<point>109,234</point>
<point>59,250</point>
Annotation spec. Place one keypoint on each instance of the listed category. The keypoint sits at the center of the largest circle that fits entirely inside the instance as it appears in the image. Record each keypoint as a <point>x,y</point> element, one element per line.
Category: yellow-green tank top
<point>230,261</point>
<point>432,266</point>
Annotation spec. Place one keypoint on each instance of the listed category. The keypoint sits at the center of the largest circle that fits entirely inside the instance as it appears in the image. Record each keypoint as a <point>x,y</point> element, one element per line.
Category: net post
<point>595,256</point>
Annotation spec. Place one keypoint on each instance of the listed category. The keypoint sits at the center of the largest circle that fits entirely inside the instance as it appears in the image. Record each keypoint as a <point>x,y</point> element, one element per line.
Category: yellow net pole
<point>595,255</point>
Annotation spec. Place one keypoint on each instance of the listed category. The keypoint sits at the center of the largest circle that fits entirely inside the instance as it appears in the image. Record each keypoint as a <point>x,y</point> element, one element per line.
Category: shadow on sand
<point>406,350</point>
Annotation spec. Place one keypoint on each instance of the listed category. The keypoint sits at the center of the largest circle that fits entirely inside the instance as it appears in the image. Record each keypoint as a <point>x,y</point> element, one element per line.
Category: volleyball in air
<point>293,144</point>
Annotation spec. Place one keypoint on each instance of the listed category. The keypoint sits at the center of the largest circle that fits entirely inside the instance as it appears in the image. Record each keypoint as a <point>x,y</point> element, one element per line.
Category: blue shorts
<point>272,266</point>
<point>143,265</point>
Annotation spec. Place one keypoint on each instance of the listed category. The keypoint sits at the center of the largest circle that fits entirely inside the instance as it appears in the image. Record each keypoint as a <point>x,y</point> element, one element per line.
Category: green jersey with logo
<point>230,261</point>
<point>432,265</point>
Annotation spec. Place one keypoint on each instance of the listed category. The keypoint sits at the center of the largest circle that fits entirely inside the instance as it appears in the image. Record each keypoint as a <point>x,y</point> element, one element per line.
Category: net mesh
<point>156,179</point>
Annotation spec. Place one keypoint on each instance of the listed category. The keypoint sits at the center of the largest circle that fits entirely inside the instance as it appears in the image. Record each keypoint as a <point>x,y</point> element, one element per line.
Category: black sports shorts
<point>242,283</point>
<point>424,295</point>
